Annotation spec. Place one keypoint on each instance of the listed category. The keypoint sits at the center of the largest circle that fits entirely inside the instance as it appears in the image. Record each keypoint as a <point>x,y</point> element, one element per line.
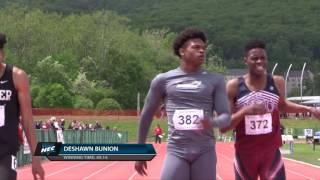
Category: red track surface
<point>122,170</point>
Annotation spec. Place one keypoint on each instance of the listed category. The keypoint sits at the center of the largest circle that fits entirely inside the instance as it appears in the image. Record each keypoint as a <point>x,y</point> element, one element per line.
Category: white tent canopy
<point>312,102</point>
<point>302,99</point>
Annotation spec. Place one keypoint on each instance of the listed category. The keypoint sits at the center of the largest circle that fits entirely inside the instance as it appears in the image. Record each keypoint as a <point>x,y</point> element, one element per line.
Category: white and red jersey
<point>256,132</point>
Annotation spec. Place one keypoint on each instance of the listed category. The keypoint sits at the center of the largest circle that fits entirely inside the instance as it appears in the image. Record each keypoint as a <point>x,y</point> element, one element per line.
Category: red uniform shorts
<point>266,164</point>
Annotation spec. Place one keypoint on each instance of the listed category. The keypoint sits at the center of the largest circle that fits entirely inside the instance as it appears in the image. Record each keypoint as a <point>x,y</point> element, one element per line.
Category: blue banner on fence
<point>95,152</point>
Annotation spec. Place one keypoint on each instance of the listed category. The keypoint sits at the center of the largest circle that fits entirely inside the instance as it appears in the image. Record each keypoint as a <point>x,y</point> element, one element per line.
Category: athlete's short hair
<point>3,40</point>
<point>256,43</point>
<point>185,35</point>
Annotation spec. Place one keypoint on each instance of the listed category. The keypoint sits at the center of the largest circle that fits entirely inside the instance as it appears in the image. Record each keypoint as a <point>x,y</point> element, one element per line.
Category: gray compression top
<point>201,92</point>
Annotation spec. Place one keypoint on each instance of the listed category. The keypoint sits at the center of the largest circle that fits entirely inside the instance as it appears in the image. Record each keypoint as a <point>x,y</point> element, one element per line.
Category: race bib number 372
<point>258,124</point>
<point>188,119</point>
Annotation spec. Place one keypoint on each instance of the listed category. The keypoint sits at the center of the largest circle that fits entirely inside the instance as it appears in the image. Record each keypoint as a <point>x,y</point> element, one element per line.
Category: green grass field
<point>299,123</point>
<point>304,152</point>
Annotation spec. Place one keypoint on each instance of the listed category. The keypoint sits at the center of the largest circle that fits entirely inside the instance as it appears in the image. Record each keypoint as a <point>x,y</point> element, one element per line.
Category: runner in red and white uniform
<point>256,100</point>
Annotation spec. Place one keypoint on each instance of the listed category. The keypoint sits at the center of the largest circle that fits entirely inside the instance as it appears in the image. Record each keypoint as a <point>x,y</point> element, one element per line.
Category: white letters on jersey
<point>189,85</point>
<point>5,95</point>
<point>188,119</point>
<point>258,124</point>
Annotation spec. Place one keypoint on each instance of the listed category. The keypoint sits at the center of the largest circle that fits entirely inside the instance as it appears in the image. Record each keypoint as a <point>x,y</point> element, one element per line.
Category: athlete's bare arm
<point>288,106</point>
<point>21,83</point>
<point>236,117</point>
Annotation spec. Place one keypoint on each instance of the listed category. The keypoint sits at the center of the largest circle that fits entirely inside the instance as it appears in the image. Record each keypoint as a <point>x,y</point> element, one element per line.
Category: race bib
<point>258,124</point>
<point>188,119</point>
<point>2,114</point>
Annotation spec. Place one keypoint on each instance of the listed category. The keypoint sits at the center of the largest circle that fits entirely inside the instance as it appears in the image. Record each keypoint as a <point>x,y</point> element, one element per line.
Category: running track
<point>123,170</point>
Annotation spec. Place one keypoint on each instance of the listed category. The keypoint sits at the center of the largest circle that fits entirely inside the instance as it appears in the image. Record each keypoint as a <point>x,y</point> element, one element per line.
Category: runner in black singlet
<point>15,101</point>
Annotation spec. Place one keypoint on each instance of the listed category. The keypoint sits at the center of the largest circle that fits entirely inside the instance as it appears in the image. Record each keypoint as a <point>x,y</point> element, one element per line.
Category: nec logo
<point>48,149</point>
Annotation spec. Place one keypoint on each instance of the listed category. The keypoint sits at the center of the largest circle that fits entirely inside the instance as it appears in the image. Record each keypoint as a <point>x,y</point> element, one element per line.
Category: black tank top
<point>9,113</point>
<point>244,90</point>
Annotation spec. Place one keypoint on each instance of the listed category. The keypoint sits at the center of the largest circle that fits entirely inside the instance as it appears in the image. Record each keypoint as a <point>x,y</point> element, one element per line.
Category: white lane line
<point>309,178</point>
<point>65,169</point>
<point>96,172</point>
<point>219,177</point>
<point>132,176</point>
<point>28,167</point>
<point>304,163</point>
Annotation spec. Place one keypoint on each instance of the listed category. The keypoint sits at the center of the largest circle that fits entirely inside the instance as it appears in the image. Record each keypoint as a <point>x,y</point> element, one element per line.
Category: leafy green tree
<point>49,71</point>
<point>108,104</point>
<point>81,85</point>
<point>94,55</point>
<point>100,93</point>
<point>53,95</point>
<point>82,102</point>
<point>34,91</point>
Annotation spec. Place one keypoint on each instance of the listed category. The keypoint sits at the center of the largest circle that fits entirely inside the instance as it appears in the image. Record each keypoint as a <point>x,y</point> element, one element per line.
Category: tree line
<point>60,36</point>
<point>290,28</point>
<point>94,60</point>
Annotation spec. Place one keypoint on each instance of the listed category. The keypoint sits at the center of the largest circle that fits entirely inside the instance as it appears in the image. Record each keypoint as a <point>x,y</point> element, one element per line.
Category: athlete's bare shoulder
<point>20,78</point>
<point>232,87</point>
<point>279,82</point>
<point>233,83</point>
<point>18,72</point>
<point>278,79</point>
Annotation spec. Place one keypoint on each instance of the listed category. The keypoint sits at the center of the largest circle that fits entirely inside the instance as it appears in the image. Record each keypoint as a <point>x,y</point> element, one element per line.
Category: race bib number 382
<point>188,119</point>
<point>258,124</point>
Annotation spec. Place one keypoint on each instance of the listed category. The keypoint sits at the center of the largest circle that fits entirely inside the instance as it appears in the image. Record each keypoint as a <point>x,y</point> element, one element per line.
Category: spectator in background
<point>62,124</point>
<point>91,127</point>
<point>38,124</point>
<point>72,124</point>
<point>282,129</point>
<point>157,134</point>
<point>97,126</point>
<point>56,125</point>
<point>44,125</point>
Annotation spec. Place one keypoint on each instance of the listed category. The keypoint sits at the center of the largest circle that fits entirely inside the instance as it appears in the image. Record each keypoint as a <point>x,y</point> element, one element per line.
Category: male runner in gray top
<point>191,95</point>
